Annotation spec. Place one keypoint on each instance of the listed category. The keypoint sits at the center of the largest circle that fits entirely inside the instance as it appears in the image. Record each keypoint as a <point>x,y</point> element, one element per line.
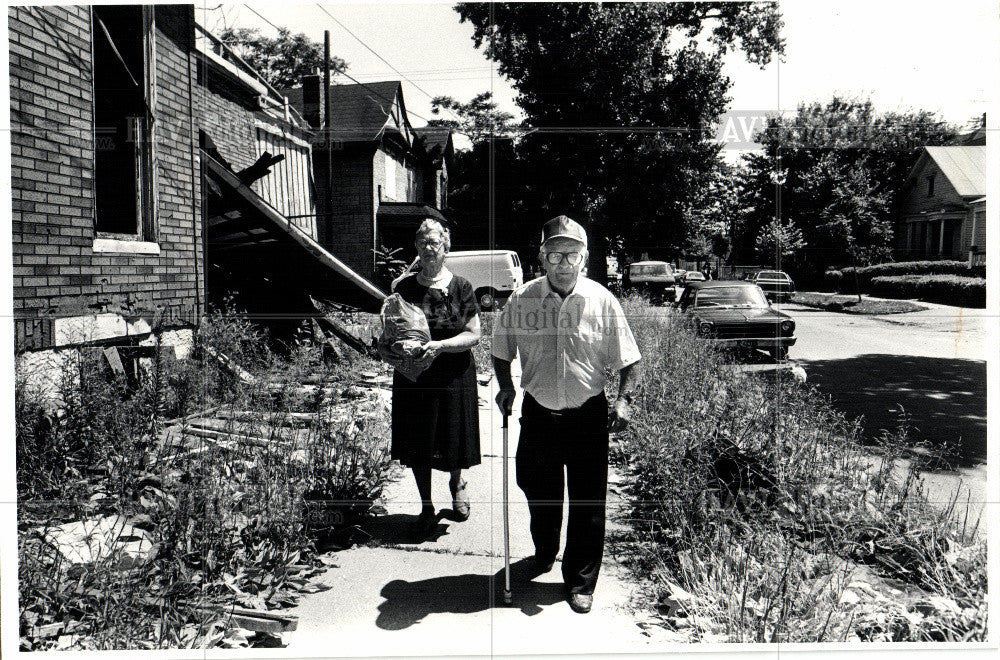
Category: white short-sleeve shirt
<point>565,345</point>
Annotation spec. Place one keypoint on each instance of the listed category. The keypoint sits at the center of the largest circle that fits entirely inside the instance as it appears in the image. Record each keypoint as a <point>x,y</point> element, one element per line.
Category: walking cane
<point>507,597</point>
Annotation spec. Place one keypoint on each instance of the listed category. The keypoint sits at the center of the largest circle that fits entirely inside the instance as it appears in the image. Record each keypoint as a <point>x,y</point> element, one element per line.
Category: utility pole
<point>328,134</point>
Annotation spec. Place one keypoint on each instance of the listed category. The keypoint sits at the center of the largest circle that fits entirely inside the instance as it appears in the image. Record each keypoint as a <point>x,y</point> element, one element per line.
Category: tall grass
<point>760,516</point>
<point>227,508</point>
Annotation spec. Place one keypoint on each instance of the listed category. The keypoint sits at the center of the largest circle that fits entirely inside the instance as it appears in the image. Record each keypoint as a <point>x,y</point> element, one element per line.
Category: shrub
<point>753,504</point>
<point>833,279</point>
<point>484,361</point>
<point>867,273</point>
<point>946,289</point>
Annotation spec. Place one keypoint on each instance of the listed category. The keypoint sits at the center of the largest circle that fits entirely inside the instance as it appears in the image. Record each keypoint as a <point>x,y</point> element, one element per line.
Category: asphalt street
<point>929,365</point>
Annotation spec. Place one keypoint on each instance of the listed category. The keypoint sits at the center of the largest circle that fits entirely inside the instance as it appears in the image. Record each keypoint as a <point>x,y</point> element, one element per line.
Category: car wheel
<point>487,299</point>
<point>779,353</point>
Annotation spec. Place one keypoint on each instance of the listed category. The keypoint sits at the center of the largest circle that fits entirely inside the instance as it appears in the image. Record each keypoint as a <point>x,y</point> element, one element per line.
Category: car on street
<point>692,276</point>
<point>775,284</point>
<point>655,278</point>
<point>737,314</point>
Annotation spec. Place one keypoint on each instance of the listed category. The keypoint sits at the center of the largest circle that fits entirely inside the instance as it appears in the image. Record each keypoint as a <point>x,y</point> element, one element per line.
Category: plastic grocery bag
<point>404,333</point>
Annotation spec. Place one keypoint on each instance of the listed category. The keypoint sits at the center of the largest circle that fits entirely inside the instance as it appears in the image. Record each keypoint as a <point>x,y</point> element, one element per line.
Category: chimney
<point>312,100</point>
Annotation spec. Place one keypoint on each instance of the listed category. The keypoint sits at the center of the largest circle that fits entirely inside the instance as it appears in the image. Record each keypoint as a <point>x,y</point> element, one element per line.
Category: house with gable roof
<point>376,176</point>
<point>943,209</point>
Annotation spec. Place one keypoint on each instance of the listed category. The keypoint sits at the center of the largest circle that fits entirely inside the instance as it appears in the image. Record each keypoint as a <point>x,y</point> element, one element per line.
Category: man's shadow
<point>407,603</point>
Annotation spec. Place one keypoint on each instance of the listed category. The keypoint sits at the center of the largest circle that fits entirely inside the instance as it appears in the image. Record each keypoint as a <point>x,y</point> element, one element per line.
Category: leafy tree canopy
<point>779,241</point>
<point>618,98</point>
<point>841,167</point>
<point>478,119</point>
<point>282,60</point>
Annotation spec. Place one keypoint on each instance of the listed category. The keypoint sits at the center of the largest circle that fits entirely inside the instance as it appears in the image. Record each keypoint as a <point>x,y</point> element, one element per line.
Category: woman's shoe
<point>460,501</point>
<point>425,524</point>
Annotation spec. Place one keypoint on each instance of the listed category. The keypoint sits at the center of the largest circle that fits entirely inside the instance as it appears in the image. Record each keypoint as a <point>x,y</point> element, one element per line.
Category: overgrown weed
<point>228,505</point>
<point>761,517</point>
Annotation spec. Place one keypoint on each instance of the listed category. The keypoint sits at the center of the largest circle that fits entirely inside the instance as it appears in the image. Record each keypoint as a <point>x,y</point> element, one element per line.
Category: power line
<point>386,62</point>
<point>344,73</point>
<point>261,17</point>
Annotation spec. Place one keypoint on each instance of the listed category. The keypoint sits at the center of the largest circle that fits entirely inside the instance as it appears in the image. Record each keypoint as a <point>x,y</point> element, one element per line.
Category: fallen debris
<point>109,540</point>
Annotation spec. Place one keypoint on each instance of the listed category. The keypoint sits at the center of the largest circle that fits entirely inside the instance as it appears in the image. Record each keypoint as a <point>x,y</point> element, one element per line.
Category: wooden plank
<point>254,440</point>
<point>241,373</point>
<point>114,360</point>
<point>335,327</point>
<point>297,234</point>
<point>258,620</point>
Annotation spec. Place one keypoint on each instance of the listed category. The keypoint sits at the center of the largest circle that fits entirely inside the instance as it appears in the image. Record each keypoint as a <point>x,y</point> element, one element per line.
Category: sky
<point>937,56</point>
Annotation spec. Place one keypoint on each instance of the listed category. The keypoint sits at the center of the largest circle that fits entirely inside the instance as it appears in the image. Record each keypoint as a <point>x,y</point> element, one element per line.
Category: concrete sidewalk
<point>441,596</point>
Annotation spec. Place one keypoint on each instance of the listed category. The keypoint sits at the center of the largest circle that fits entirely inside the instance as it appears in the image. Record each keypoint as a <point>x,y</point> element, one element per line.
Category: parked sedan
<point>738,314</point>
<point>692,276</point>
<point>775,284</point>
<point>655,278</point>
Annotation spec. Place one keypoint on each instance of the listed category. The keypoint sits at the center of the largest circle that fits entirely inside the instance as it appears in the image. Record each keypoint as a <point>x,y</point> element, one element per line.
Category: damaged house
<point>153,172</point>
<point>385,177</point>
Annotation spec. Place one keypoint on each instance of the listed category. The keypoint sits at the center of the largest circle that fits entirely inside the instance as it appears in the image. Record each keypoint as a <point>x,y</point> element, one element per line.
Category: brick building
<point>943,210</point>
<point>147,165</point>
<point>106,221</point>
<point>384,179</point>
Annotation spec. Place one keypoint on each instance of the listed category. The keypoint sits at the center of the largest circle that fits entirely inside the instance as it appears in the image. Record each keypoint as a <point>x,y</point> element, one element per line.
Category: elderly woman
<point>435,420</point>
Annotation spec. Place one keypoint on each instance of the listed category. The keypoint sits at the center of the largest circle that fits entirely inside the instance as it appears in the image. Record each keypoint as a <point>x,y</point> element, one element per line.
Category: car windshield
<point>772,275</point>
<point>651,269</point>
<point>730,296</point>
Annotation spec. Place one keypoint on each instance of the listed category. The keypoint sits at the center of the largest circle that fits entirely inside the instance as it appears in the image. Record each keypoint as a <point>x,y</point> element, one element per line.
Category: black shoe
<point>580,603</point>
<point>543,564</point>
<point>425,524</point>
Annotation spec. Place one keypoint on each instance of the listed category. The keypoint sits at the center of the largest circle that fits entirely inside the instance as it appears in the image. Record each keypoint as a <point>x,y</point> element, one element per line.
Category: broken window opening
<point>124,72</point>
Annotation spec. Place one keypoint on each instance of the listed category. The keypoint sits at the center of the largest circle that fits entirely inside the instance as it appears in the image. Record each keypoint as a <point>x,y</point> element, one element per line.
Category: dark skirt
<point>435,421</point>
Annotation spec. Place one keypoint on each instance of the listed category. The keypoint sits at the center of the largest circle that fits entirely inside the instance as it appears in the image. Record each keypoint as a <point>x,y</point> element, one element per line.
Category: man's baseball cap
<point>563,226</point>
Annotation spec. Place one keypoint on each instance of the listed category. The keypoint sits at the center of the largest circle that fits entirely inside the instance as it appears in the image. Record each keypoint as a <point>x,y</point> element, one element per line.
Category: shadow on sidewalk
<point>397,528</point>
<point>408,603</point>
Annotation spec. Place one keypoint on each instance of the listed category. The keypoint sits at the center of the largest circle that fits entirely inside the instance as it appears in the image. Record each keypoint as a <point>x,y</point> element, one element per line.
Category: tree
<point>283,60</point>
<point>618,98</point>
<point>779,241</point>
<point>841,166</point>
<point>486,182</point>
<point>479,119</point>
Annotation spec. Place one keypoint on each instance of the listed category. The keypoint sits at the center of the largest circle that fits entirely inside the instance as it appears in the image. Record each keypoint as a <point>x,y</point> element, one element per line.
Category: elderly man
<point>567,330</point>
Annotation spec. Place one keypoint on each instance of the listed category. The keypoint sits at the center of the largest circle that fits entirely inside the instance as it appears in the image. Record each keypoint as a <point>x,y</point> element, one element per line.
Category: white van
<point>494,274</point>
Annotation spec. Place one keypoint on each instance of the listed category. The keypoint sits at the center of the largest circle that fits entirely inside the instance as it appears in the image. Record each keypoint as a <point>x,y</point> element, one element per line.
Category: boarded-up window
<point>124,84</point>
<point>289,186</point>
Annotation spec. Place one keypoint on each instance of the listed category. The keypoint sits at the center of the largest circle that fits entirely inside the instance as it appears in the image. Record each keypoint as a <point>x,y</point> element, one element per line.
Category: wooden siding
<point>289,187</point>
<point>916,199</point>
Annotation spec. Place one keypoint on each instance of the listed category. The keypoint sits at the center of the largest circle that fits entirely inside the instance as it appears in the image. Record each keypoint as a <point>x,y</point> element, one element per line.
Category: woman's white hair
<point>430,225</point>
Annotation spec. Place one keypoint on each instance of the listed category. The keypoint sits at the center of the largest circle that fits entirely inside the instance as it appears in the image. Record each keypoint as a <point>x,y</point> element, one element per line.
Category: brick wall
<point>229,122</point>
<point>349,232</point>
<point>57,273</point>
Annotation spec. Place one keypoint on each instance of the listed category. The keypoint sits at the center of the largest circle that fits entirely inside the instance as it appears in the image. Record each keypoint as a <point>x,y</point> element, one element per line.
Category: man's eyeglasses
<point>555,258</point>
<point>430,243</point>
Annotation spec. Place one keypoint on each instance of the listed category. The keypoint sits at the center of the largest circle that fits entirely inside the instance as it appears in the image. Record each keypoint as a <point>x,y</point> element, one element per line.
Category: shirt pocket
<point>587,342</point>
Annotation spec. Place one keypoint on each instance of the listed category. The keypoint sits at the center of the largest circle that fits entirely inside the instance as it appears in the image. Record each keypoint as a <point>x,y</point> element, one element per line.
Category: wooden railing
<point>275,97</point>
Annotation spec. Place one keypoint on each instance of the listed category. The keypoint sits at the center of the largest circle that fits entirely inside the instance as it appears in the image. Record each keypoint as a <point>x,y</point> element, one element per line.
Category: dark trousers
<point>574,441</point>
